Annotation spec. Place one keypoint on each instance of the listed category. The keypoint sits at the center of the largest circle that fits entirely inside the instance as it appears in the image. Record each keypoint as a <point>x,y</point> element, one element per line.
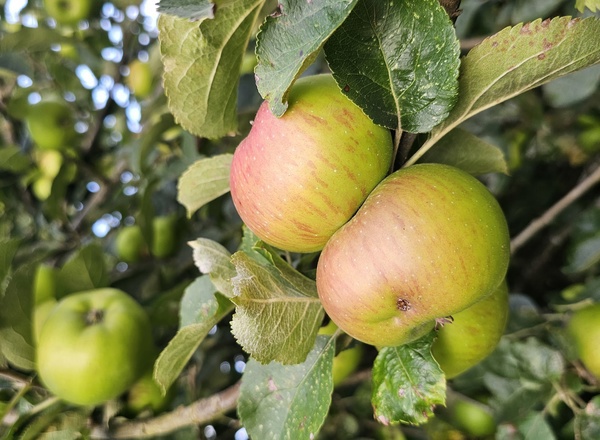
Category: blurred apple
<point>40,315</point>
<point>164,235</point>
<point>140,79</point>
<point>130,245</point>
<point>42,187</point>
<point>68,12</point>
<point>472,417</point>
<point>145,395</point>
<point>51,124</point>
<point>44,283</point>
<point>583,329</point>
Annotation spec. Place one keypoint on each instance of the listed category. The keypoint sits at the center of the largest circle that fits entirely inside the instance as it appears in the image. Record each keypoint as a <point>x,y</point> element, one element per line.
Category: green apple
<point>146,395</point>
<point>297,179</point>
<point>93,346</point>
<point>68,12</point>
<point>164,236</point>
<point>44,283</point>
<point>473,333</point>
<point>130,245</point>
<point>40,315</point>
<point>42,187</point>
<point>346,362</point>
<point>583,329</point>
<point>427,243</point>
<point>49,162</point>
<point>51,124</point>
<point>472,417</point>
<point>140,78</point>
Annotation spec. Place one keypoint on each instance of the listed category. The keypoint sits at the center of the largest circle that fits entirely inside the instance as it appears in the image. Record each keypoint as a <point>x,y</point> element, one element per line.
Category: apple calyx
<point>94,316</point>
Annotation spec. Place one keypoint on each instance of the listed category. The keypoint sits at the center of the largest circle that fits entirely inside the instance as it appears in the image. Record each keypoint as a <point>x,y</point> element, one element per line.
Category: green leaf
<point>275,319</point>
<point>8,249</point>
<point>587,423</point>
<point>13,159</point>
<point>288,402</point>
<point>515,60</point>
<point>398,60</point>
<point>194,10</point>
<point>32,40</point>
<point>204,181</point>
<point>85,270</point>
<point>16,309</point>
<point>287,44</point>
<point>208,310</point>
<point>212,258</point>
<point>202,66</point>
<point>584,255</point>
<point>407,383</point>
<point>464,150</point>
<point>535,427</point>
<point>592,5</point>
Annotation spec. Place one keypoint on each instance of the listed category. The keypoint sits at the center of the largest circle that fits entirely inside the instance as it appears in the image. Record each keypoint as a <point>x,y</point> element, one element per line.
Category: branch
<point>198,413</point>
<point>541,222</point>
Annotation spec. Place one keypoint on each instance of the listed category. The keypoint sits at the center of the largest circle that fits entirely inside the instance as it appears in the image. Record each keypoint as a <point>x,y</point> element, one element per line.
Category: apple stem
<point>94,316</point>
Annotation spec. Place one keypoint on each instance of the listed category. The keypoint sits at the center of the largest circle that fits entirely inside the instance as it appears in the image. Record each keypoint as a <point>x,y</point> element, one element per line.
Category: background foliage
<point>167,153</point>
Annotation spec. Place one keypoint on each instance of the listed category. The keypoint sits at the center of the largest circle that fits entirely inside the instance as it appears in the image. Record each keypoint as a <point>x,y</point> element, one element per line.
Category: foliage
<point>508,91</point>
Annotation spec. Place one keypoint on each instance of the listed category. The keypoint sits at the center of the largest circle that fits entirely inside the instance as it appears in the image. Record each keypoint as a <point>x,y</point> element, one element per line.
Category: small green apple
<point>51,124</point>
<point>40,315</point>
<point>473,418</point>
<point>146,395</point>
<point>68,12</point>
<point>428,242</point>
<point>140,79</point>
<point>473,334</point>
<point>44,283</point>
<point>164,236</point>
<point>583,329</point>
<point>346,362</point>
<point>49,162</point>
<point>42,187</point>
<point>297,179</point>
<point>93,346</point>
<point>130,245</point>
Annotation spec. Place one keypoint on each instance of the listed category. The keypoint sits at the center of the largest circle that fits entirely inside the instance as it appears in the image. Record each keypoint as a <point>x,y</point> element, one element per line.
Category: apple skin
<point>51,125</point>
<point>472,418</point>
<point>297,179</point>
<point>68,12</point>
<point>164,236</point>
<point>473,335</point>
<point>93,346</point>
<point>44,283</point>
<point>583,329</point>
<point>140,79</point>
<point>130,244</point>
<point>428,242</point>
<point>146,395</point>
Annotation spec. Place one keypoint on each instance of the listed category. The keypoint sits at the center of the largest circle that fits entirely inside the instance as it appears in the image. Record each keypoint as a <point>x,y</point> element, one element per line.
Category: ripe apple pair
<point>398,252</point>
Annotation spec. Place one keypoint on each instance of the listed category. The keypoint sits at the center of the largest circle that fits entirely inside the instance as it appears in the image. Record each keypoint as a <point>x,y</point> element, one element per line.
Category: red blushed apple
<point>297,179</point>
<point>428,242</point>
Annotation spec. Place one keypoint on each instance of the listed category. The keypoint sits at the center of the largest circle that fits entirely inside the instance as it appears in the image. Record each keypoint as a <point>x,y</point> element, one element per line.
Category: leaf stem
<point>200,412</point>
<point>545,219</point>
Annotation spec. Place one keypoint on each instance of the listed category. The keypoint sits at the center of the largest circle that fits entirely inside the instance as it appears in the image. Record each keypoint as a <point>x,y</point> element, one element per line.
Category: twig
<point>541,222</point>
<point>198,413</point>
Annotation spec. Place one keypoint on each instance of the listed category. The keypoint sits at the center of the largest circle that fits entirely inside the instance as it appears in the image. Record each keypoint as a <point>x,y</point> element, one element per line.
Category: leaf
<point>587,422</point>
<point>32,40</point>
<point>288,402</point>
<point>16,309</point>
<point>584,254</point>
<point>194,10</point>
<point>204,181</point>
<point>464,150</point>
<point>275,320</point>
<point>515,60</point>
<point>535,427</point>
<point>8,249</point>
<point>592,5</point>
<point>287,44</point>
<point>85,270</point>
<point>212,258</point>
<point>202,66</point>
<point>407,383</point>
<point>13,159</point>
<point>398,60</point>
<point>208,310</point>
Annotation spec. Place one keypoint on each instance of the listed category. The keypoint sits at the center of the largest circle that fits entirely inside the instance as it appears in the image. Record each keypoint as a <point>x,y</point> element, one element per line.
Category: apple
<point>472,417</point>
<point>583,329</point>
<point>346,361</point>
<point>130,244</point>
<point>428,242</point>
<point>40,315</point>
<point>164,236</point>
<point>68,12</point>
<point>472,334</point>
<point>51,124</point>
<point>49,162</point>
<point>93,346</point>
<point>145,395</point>
<point>140,79</point>
<point>44,283</point>
<point>42,187</point>
<point>297,179</point>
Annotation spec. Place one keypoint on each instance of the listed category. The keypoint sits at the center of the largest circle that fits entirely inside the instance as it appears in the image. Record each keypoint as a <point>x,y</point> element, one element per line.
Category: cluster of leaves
<point>400,61</point>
